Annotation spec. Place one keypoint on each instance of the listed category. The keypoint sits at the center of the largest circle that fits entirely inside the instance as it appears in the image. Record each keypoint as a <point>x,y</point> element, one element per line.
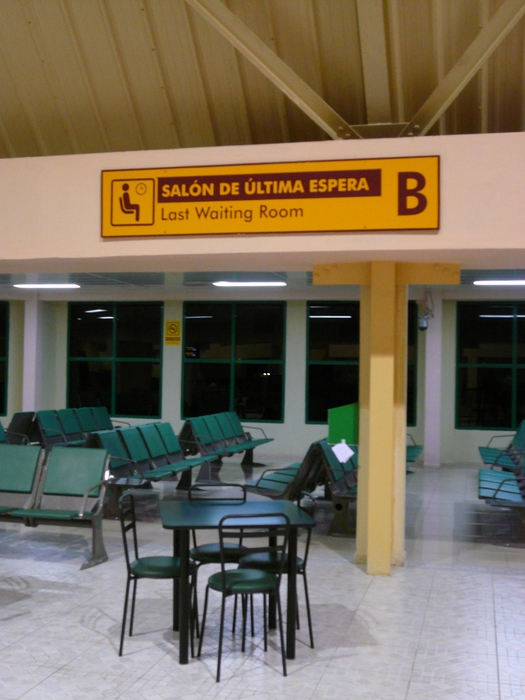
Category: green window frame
<point>4,355</point>
<point>234,359</point>
<point>490,365</point>
<point>115,357</point>
<point>343,374</point>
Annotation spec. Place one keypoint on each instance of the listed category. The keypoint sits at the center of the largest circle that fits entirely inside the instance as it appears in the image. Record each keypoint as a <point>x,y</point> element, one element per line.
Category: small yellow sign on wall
<point>172,333</point>
<point>388,194</point>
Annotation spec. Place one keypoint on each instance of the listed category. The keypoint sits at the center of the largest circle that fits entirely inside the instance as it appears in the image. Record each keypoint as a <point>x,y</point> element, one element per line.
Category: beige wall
<point>51,211</point>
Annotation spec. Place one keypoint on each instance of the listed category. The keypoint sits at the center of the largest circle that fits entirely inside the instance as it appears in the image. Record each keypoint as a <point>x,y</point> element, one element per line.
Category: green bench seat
<point>70,491</point>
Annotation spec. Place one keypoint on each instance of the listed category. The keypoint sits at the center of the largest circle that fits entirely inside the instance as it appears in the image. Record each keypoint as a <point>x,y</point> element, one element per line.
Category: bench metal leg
<point>98,550</point>
<point>341,522</point>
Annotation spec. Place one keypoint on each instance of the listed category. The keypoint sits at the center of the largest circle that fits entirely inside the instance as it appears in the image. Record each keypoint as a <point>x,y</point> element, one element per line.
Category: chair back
<point>128,525</point>
<point>102,418</point>
<point>272,526</point>
<point>86,419</point>
<point>72,471</point>
<point>171,441</point>
<point>135,445</point>
<point>3,436</point>
<point>19,471</point>
<point>156,448</point>
<point>119,459</point>
<point>69,423</point>
<point>50,428</point>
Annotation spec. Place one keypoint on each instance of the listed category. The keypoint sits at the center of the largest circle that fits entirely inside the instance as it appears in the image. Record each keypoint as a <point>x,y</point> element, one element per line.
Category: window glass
<point>208,331</point>
<point>330,386</point>
<point>333,331</point>
<point>206,388</point>
<point>101,336</point>
<point>90,330</point>
<point>258,391</point>
<point>520,325</point>
<point>484,397</point>
<point>485,333</point>
<point>89,384</point>
<point>234,359</point>
<point>259,331</point>
<point>4,324</point>
<point>137,391</point>
<point>138,330</point>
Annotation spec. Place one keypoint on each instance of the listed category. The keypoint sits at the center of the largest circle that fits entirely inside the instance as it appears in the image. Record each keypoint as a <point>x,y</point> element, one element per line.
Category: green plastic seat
<point>153,567</point>
<point>248,581</point>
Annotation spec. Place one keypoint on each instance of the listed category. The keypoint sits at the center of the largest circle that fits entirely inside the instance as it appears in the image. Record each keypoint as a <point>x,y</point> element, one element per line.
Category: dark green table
<point>184,516</point>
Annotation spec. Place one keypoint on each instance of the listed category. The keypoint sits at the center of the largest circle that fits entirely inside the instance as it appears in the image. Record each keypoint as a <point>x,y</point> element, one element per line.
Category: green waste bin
<point>343,424</point>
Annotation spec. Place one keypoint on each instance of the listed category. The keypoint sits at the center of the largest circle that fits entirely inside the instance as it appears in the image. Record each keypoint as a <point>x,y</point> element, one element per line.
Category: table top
<point>198,515</point>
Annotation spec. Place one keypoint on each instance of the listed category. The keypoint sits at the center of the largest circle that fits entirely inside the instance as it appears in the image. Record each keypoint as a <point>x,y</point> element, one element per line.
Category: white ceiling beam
<point>372,37</point>
<point>488,39</point>
<point>255,50</point>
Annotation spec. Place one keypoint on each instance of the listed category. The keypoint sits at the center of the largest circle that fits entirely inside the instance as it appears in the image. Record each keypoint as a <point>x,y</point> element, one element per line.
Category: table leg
<point>184,596</point>
<point>292,595</point>
<point>176,586</point>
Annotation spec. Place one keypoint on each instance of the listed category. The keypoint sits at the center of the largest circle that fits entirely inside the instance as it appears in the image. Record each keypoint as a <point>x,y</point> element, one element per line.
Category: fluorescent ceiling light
<point>106,318</point>
<point>95,311</point>
<point>249,284</point>
<point>501,316</point>
<point>198,317</point>
<point>501,283</point>
<point>318,316</point>
<point>47,286</point>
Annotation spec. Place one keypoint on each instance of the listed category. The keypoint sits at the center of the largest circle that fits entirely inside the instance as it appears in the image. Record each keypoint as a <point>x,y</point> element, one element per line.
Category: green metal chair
<point>155,567</point>
<point>249,582</point>
<point>210,553</point>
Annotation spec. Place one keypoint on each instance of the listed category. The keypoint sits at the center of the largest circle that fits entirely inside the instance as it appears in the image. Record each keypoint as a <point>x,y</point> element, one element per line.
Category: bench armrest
<point>256,427</point>
<point>494,437</point>
<point>86,496</point>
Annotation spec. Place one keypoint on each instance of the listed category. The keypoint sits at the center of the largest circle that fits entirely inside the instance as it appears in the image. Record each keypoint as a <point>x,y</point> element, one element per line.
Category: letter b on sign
<point>410,199</point>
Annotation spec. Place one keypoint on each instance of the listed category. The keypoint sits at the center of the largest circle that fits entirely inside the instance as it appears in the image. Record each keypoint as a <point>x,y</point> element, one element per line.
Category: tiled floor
<point>450,624</point>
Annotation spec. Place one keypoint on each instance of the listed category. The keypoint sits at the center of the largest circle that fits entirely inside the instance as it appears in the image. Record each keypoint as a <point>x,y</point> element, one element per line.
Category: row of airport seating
<point>222,435</point>
<point>319,467</point>
<point>55,487</point>
<point>501,482</point>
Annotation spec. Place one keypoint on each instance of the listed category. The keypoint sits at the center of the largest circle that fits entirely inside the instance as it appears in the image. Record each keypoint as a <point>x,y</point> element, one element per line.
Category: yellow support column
<point>361,536</point>
<point>379,438</point>
<point>380,537</point>
<point>400,426</point>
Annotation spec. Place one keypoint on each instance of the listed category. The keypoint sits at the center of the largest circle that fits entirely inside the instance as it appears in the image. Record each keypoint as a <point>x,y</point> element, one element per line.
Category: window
<point>333,358</point>
<point>234,359</point>
<point>490,380</point>
<point>115,357</point>
<point>4,344</point>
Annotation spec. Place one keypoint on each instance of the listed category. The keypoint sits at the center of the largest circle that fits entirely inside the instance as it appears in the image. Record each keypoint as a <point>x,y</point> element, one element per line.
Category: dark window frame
<point>232,362</point>
<point>4,360</point>
<point>412,312</point>
<point>113,359</point>
<point>514,365</point>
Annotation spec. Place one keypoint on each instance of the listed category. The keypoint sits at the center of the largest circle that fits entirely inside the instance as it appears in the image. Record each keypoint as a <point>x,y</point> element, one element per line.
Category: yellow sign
<point>172,332</point>
<point>389,194</point>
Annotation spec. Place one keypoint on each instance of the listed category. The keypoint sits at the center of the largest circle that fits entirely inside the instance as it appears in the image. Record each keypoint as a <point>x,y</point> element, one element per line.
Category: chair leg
<point>234,615</point>
<point>244,600</point>
<point>308,611</point>
<point>221,634</point>
<point>123,630</point>
<point>251,615</point>
<point>265,624</point>
<point>280,614</point>
<point>203,620</point>
<point>132,617</point>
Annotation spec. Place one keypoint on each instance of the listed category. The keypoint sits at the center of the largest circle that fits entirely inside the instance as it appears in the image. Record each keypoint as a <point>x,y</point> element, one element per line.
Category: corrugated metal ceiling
<point>80,76</point>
